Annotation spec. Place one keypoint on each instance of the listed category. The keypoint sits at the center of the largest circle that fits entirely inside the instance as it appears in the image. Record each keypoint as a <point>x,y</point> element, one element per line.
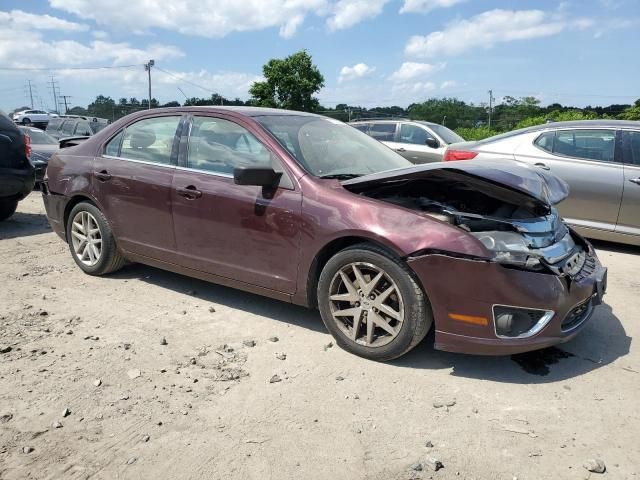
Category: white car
<point>27,117</point>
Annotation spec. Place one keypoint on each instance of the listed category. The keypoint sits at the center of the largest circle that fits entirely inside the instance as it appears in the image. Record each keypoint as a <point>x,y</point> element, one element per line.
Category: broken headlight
<point>508,247</point>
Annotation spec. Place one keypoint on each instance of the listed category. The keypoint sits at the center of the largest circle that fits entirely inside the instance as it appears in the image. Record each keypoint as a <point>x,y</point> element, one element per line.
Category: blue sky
<point>371,52</point>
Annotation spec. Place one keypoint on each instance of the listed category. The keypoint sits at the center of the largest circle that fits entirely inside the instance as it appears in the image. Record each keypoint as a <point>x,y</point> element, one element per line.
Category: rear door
<point>385,132</point>
<point>586,159</point>
<point>629,218</point>
<point>412,144</point>
<point>132,183</point>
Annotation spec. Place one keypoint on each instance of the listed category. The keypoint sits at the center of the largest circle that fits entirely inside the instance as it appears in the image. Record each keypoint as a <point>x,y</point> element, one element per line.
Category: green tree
<point>631,113</point>
<point>289,83</point>
<point>103,107</point>
<point>78,111</point>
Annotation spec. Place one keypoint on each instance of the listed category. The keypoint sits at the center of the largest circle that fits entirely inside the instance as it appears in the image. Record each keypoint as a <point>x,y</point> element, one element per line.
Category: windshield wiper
<point>342,176</point>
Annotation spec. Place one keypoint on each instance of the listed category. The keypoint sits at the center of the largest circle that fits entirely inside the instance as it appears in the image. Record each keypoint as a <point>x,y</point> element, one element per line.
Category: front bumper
<point>467,287</point>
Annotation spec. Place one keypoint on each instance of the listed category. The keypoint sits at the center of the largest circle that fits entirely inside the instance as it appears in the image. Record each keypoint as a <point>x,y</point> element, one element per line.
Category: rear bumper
<point>15,184</point>
<point>472,288</point>
<point>55,206</point>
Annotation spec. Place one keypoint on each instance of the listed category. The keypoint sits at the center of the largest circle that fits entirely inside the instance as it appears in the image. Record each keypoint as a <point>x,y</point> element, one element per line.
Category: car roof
<point>394,120</point>
<point>568,124</point>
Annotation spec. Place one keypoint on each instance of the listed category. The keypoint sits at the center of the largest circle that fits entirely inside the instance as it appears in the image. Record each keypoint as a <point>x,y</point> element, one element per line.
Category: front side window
<point>586,144</point>
<point>413,134</point>
<point>67,127</point>
<point>218,145</point>
<point>383,132</point>
<point>150,140</point>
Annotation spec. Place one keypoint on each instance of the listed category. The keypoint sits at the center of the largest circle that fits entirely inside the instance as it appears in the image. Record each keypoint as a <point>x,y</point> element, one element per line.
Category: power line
<point>27,69</point>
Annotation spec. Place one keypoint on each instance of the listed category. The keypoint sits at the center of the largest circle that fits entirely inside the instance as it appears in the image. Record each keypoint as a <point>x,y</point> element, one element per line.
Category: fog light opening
<point>516,322</point>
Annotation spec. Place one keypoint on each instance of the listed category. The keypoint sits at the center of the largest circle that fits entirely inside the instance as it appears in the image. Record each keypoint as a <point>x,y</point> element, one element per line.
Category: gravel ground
<point>148,374</point>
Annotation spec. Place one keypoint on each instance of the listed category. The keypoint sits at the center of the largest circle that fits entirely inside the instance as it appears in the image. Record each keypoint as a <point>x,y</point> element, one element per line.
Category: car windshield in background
<point>329,148</point>
<point>449,136</point>
<point>38,137</point>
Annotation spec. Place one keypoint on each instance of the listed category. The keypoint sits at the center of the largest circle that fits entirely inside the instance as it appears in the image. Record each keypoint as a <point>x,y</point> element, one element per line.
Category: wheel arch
<point>329,250</point>
<point>73,201</point>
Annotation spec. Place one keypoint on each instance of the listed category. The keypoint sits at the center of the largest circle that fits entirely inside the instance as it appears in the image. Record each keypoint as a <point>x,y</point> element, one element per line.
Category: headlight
<point>508,247</point>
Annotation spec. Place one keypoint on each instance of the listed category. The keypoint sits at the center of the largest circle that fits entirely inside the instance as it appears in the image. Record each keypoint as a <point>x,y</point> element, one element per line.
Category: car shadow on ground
<point>229,297</point>
<point>602,245</point>
<point>23,225</point>
<point>602,341</point>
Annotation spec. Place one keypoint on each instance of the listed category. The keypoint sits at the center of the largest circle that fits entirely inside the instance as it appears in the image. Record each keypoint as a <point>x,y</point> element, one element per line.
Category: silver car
<point>418,142</point>
<point>599,159</point>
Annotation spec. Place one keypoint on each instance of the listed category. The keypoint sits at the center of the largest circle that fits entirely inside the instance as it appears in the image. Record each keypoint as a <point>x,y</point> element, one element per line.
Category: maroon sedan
<point>309,210</point>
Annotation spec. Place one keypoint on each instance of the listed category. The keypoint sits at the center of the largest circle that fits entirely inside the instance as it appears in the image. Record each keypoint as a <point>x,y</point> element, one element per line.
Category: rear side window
<point>631,142</point>
<point>384,132</point>
<point>113,147</point>
<point>150,140</point>
<point>54,123</point>
<point>67,127</point>
<point>586,144</point>
<point>83,128</point>
<point>363,127</point>
<point>545,141</point>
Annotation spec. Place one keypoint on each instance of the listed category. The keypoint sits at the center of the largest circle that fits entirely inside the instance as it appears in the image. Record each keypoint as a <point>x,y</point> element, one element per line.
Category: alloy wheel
<point>86,238</point>
<point>366,304</point>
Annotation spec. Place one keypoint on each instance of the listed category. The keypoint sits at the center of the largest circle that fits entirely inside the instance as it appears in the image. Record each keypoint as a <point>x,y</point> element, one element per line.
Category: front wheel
<point>26,121</point>
<point>371,303</point>
<point>91,241</point>
<point>7,208</point>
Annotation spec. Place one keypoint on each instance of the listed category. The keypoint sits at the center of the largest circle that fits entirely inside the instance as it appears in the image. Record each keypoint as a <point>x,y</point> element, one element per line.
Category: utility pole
<point>55,90</point>
<point>64,98</point>
<point>147,67</point>
<point>30,93</point>
<point>491,99</point>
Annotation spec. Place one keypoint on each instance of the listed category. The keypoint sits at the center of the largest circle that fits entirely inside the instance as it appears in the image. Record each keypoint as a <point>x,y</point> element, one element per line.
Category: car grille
<point>576,316</point>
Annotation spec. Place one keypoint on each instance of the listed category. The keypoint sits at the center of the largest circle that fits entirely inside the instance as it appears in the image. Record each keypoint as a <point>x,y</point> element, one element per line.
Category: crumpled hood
<point>533,182</point>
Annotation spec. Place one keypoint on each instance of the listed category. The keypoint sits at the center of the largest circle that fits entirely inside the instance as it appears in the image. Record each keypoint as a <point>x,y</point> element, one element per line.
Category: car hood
<point>532,182</point>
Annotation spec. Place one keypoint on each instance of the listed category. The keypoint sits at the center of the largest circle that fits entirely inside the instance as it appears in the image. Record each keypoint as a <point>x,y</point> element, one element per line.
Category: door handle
<point>401,149</point>
<point>190,192</point>
<point>542,166</point>
<point>103,175</point>
<point>635,180</point>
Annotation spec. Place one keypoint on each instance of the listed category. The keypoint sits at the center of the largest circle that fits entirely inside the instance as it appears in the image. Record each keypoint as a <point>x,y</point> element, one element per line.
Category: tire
<point>109,258</point>
<point>7,208</point>
<point>411,303</point>
<point>26,121</point>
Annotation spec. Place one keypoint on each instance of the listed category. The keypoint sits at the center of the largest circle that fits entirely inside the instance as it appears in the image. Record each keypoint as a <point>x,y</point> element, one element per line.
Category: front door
<point>418,145</point>
<point>587,160</point>
<point>132,182</point>
<point>231,230</point>
<point>629,219</point>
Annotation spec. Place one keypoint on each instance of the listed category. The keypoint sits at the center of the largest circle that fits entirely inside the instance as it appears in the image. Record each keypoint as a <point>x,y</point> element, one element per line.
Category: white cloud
<point>488,28</point>
<point>424,6</point>
<point>346,13</point>
<point>448,84</point>
<point>229,84</point>
<point>359,70</point>
<point>412,70</point>
<point>17,19</point>
<point>205,18</point>
<point>100,34</point>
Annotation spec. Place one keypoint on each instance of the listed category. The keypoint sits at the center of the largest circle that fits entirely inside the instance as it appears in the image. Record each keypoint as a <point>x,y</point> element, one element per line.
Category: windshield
<point>329,148</point>
<point>449,136</point>
<point>38,137</point>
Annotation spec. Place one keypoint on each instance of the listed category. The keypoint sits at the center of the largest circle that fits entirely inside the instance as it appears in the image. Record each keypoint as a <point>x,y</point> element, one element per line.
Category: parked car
<point>42,146</point>
<point>75,126</point>
<point>31,117</point>
<point>599,159</point>
<point>16,173</point>
<point>308,210</point>
<point>418,142</point>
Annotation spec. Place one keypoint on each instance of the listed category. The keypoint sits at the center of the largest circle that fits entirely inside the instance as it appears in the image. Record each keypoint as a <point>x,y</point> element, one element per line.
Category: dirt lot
<point>202,406</point>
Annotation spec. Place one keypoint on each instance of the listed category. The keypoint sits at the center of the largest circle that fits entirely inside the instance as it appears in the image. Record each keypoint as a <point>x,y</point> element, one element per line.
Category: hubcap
<point>366,304</point>
<point>86,238</point>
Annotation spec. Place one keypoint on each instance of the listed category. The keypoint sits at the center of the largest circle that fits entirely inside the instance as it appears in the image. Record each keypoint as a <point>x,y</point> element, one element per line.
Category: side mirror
<point>259,176</point>
<point>432,142</point>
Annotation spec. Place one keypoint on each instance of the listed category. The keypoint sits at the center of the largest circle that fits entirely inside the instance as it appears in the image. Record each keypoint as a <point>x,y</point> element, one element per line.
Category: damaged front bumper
<point>469,298</point>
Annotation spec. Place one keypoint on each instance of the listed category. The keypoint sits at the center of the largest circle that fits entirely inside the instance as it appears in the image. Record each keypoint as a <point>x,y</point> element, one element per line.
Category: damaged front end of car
<point>537,274</point>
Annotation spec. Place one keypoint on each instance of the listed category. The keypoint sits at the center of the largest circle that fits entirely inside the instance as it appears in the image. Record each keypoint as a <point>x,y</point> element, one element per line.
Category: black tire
<point>7,208</point>
<point>26,121</point>
<point>110,259</point>
<point>417,310</point>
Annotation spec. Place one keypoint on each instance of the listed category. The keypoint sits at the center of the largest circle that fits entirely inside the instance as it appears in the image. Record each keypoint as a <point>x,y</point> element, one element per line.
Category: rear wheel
<point>91,241</point>
<point>372,304</point>
<point>7,208</point>
<point>26,121</point>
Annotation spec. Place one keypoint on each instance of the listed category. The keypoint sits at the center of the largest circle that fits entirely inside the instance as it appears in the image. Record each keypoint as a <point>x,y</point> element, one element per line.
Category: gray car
<point>599,159</point>
<point>418,142</point>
